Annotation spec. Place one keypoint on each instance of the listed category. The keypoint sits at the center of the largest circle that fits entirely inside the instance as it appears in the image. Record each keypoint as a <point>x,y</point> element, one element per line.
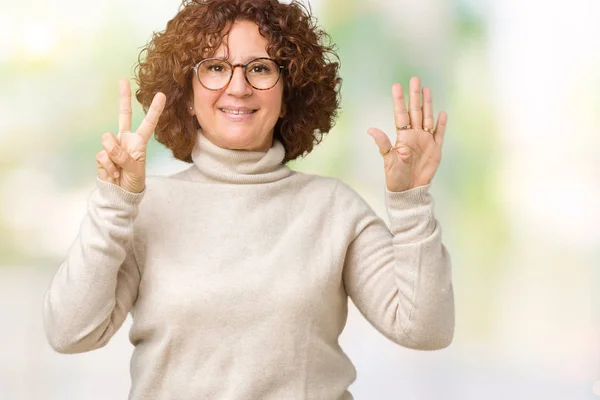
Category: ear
<point>283,111</point>
<point>190,109</point>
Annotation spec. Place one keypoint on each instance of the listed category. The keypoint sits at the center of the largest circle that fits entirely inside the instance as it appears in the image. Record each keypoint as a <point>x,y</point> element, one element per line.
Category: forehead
<point>243,42</point>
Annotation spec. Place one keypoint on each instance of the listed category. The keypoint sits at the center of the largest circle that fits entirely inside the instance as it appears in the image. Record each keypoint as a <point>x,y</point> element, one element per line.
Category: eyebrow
<point>246,59</point>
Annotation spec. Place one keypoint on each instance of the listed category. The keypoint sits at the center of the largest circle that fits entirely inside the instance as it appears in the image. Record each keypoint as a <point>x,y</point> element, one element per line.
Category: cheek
<point>205,107</point>
<point>204,99</point>
<point>275,100</point>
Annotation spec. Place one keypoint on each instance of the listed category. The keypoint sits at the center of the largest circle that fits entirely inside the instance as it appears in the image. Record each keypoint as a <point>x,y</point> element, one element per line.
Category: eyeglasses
<point>215,73</point>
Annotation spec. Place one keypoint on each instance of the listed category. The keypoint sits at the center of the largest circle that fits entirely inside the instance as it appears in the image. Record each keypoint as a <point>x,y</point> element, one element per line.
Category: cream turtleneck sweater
<point>237,273</point>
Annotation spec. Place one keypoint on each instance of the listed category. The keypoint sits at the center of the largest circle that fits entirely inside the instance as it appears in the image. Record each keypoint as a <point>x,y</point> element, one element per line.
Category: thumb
<point>121,158</point>
<point>381,139</point>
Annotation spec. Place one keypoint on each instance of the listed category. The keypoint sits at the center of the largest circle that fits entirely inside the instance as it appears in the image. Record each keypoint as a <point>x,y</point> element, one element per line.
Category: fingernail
<point>116,174</point>
<point>116,151</point>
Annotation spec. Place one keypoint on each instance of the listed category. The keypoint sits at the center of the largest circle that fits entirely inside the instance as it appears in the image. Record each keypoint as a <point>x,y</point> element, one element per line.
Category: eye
<point>215,67</point>
<point>259,69</point>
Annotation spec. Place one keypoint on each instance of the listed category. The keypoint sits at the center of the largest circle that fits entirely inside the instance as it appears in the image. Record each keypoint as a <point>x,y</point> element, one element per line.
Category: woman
<point>237,270</point>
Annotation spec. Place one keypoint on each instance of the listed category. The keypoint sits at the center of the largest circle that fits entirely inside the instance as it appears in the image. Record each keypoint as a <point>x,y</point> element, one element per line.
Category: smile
<point>237,112</point>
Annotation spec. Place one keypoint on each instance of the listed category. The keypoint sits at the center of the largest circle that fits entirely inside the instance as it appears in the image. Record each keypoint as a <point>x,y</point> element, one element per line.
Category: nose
<point>238,85</point>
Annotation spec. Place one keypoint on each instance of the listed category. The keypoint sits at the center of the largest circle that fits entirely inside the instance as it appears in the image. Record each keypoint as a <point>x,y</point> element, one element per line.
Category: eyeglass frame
<point>233,67</point>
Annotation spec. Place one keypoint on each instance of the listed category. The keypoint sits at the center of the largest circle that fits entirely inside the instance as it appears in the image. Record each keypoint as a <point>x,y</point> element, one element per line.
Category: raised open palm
<point>413,160</point>
<point>123,160</point>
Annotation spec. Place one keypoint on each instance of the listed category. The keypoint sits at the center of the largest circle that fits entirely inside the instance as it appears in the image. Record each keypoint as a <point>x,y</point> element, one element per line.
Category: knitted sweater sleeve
<point>400,277</point>
<point>96,285</point>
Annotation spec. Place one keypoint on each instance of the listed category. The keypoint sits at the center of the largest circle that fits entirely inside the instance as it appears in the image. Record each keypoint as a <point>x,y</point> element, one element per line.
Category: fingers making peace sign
<point>413,160</point>
<point>123,160</point>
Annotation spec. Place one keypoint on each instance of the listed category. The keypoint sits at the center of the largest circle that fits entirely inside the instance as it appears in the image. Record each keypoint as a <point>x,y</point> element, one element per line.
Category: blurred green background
<point>517,193</point>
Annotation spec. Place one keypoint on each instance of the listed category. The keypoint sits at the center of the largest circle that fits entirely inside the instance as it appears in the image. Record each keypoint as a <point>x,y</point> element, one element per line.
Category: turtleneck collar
<point>218,165</point>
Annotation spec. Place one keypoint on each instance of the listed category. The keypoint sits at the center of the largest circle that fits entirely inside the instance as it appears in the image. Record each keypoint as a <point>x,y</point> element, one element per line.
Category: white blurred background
<point>517,194</point>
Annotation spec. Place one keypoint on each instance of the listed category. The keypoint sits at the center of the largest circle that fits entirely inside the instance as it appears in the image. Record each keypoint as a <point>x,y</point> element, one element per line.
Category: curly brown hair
<point>312,84</point>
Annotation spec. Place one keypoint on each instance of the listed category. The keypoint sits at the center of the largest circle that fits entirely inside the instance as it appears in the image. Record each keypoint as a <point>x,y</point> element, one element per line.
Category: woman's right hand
<point>123,160</point>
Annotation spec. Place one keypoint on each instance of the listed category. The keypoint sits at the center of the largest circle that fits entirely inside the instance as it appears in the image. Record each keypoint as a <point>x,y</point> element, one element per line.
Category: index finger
<point>151,119</point>
<point>401,117</point>
<point>124,106</point>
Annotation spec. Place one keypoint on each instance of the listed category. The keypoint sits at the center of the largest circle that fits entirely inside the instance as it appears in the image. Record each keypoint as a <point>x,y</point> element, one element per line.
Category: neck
<point>219,165</point>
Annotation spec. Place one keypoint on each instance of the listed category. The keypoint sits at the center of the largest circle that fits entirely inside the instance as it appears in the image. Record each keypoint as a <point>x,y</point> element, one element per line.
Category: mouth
<point>237,112</point>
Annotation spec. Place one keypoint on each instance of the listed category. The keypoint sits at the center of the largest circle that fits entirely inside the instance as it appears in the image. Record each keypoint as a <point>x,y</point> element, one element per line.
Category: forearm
<point>92,289</point>
<point>423,268</point>
<point>400,277</point>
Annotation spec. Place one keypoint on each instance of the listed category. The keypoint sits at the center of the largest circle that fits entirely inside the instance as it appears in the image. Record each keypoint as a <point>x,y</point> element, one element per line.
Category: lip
<point>237,117</point>
<point>237,108</point>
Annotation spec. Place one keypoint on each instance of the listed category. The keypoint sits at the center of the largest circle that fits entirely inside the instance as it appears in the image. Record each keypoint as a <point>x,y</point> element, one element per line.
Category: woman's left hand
<point>415,157</point>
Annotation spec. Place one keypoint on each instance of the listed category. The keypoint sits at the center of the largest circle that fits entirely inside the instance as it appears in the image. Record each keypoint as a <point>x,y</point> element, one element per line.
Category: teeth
<point>237,111</point>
